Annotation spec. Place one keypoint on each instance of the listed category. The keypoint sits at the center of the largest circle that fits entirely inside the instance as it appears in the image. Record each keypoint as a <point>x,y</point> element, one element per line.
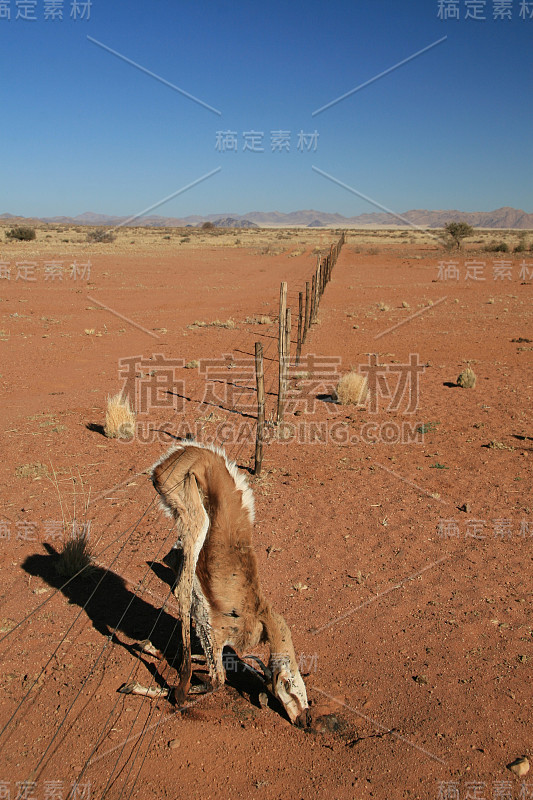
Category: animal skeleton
<point>217,584</point>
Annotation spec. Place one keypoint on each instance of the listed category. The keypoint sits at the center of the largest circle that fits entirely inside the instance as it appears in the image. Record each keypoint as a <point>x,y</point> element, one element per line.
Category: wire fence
<point>128,757</point>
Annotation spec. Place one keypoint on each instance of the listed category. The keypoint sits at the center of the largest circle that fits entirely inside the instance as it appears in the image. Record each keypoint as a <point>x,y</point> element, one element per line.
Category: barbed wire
<point>241,341</point>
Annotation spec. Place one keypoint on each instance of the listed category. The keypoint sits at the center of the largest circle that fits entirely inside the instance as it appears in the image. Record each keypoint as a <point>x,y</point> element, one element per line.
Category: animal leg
<point>213,653</point>
<point>145,691</point>
<point>147,647</point>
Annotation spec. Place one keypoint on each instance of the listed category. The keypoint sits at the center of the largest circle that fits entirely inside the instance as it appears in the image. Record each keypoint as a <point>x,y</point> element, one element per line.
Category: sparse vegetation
<point>262,319</point>
<point>426,427</point>
<point>100,235</point>
<point>119,418</point>
<point>194,364</point>
<point>522,245</point>
<point>229,323</point>
<point>21,233</point>
<point>467,379</point>
<point>36,470</point>
<point>454,233</point>
<point>497,247</point>
<point>352,388</point>
<point>76,558</point>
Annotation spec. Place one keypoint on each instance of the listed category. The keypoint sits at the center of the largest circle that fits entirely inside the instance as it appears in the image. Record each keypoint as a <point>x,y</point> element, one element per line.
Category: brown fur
<point>193,481</point>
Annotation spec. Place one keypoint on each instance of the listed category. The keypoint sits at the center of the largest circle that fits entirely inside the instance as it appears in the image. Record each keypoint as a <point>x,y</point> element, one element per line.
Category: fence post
<point>281,348</point>
<point>260,380</point>
<point>287,339</point>
<point>316,298</point>
<point>300,326</point>
<point>307,308</point>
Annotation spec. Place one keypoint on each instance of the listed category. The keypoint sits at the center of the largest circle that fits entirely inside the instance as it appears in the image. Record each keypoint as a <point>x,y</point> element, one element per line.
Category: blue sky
<point>84,130</point>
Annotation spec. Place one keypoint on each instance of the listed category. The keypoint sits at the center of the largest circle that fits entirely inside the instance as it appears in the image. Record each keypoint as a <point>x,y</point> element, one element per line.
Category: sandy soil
<point>395,539</point>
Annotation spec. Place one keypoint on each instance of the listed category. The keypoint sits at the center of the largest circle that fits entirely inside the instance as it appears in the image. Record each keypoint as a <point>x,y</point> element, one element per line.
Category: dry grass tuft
<point>467,379</point>
<point>258,319</point>
<point>119,418</point>
<point>76,556</point>
<point>229,323</point>
<point>352,388</point>
<point>36,470</point>
<point>194,364</point>
<point>217,323</point>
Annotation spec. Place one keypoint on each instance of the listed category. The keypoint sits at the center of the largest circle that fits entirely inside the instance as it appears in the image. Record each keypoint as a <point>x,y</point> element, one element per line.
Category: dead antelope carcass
<point>217,585</point>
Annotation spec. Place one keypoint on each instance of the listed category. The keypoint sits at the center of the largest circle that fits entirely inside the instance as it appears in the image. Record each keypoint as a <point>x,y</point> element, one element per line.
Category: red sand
<point>415,634</point>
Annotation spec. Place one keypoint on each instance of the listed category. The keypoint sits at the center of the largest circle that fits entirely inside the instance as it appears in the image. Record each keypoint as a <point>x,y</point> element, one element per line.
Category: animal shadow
<point>114,609</point>
<point>110,605</point>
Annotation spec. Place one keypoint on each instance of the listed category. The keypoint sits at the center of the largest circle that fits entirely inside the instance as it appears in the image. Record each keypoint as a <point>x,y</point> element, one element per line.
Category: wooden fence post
<point>281,348</point>
<point>316,298</point>
<point>307,308</point>
<point>287,338</point>
<point>260,380</point>
<point>300,326</point>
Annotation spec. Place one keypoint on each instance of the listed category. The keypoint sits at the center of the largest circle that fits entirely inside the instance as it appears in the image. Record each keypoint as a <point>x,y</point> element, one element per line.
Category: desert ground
<point>396,538</point>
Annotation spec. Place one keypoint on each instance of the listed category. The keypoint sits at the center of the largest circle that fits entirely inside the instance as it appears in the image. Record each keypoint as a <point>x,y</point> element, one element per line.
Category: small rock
<point>174,743</point>
<point>520,766</point>
<point>421,679</point>
<point>263,699</point>
<point>465,507</point>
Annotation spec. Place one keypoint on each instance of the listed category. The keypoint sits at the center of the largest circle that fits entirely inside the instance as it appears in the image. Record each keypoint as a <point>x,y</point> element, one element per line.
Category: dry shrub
<point>262,319</point>
<point>230,323</point>
<point>76,556</point>
<point>119,418</point>
<point>217,323</point>
<point>467,379</point>
<point>352,388</point>
<point>35,470</point>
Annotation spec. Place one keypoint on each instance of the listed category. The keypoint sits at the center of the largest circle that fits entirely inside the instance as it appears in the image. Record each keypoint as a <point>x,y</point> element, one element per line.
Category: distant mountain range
<point>500,218</point>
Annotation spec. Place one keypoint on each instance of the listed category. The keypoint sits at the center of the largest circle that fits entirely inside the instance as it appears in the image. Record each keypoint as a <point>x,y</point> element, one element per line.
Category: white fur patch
<point>239,478</point>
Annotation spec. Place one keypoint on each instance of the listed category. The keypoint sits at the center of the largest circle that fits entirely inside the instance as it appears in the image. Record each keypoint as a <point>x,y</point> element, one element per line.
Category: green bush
<point>101,235</point>
<point>457,231</point>
<point>22,233</point>
<point>497,247</point>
